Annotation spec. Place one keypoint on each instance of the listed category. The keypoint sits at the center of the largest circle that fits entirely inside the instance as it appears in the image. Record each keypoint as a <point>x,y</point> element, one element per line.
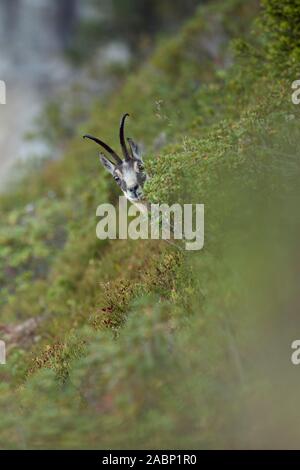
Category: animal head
<point>128,173</point>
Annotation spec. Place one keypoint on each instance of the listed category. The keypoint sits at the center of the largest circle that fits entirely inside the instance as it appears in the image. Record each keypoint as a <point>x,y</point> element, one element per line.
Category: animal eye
<point>140,166</point>
<point>117,179</point>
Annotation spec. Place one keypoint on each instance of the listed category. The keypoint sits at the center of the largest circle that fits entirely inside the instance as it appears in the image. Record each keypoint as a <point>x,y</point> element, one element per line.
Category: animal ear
<point>107,164</point>
<point>135,150</point>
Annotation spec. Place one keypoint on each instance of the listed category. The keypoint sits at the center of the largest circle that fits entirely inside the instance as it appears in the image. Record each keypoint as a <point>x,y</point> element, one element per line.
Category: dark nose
<point>134,188</point>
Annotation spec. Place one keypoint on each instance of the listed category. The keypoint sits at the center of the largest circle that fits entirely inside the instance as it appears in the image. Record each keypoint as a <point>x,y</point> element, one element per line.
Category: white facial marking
<point>129,176</point>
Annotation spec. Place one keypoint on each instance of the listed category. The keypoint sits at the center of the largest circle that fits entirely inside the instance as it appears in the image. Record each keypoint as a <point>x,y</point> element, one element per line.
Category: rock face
<point>33,30</point>
<point>33,35</point>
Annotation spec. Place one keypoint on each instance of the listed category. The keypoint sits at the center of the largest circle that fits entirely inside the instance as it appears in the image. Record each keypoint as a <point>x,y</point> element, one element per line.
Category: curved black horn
<point>122,138</point>
<point>105,146</point>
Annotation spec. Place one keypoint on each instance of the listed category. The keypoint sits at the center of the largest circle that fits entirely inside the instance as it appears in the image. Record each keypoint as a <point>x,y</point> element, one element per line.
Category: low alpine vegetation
<point>141,345</point>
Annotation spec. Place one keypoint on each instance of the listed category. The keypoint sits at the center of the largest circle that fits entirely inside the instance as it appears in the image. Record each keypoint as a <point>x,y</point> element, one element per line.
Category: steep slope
<point>143,345</point>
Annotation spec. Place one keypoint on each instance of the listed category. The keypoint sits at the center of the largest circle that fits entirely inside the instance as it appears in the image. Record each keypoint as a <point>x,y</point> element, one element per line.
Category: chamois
<point>129,173</point>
